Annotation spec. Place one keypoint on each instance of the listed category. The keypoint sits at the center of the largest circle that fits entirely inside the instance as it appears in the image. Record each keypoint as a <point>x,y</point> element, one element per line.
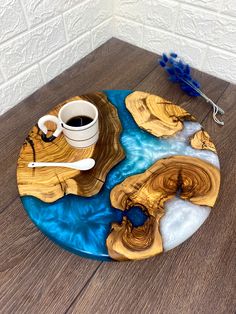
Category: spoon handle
<point>49,164</point>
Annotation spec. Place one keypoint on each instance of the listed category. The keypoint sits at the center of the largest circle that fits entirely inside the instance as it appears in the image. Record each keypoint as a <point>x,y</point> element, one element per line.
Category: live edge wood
<point>201,140</point>
<point>156,115</point>
<point>194,179</point>
<point>197,277</point>
<point>51,183</point>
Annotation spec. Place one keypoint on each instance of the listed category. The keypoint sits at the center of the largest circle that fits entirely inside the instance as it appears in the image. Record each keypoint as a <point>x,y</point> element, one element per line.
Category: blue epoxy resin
<point>80,224</point>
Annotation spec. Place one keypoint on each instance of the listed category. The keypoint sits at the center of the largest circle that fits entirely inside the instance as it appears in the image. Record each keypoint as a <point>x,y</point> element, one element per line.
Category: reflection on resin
<point>181,220</point>
<point>74,223</point>
<point>82,225</point>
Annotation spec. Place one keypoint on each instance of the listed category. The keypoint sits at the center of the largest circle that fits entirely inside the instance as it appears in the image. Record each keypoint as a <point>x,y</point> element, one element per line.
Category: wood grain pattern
<point>156,114</point>
<point>201,140</point>
<point>52,183</point>
<point>197,277</point>
<point>192,178</point>
<point>27,284</point>
<point>83,77</point>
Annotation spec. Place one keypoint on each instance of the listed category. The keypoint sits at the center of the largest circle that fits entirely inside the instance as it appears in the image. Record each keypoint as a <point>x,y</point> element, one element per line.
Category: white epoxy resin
<point>181,220</point>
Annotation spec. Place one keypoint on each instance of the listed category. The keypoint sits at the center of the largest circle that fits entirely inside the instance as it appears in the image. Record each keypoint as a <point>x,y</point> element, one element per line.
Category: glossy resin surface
<point>83,224</point>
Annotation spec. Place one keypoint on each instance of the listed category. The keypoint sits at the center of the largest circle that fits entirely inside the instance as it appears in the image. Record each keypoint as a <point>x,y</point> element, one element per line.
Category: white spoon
<point>83,164</point>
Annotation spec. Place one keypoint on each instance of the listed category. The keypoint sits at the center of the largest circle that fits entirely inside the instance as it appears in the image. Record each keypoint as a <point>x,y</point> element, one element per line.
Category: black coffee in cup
<point>79,121</point>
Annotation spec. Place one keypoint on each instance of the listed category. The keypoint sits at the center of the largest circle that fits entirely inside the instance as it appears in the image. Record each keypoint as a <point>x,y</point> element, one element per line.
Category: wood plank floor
<point>36,276</point>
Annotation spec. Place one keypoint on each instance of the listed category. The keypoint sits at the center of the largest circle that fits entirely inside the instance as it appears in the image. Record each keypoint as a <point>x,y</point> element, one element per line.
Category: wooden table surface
<point>36,276</point>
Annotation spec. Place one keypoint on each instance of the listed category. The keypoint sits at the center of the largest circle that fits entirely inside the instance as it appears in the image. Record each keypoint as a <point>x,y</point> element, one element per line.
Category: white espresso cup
<point>77,136</point>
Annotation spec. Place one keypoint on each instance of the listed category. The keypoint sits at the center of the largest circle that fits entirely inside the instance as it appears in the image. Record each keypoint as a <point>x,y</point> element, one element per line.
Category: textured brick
<point>221,64</point>
<point>208,27</point>
<point>102,33</point>
<point>1,78</point>
<point>161,14</point>
<point>22,52</point>
<point>19,88</point>
<point>192,52</point>
<point>159,41</point>
<point>101,11</point>
<point>89,23</point>
<point>208,4</point>
<point>229,7</point>
<point>66,57</point>
<point>131,9</point>
<point>86,16</point>
<point>198,29</point>
<point>77,21</point>
<point>12,21</point>
<point>39,11</point>
<point>128,31</point>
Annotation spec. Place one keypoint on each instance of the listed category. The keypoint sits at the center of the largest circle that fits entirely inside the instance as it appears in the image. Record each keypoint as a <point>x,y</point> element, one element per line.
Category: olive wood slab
<point>50,183</point>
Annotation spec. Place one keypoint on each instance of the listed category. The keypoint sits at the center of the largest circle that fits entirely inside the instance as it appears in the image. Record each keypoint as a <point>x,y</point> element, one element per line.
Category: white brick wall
<point>12,20</point>
<point>39,11</point>
<point>39,39</point>
<point>203,32</point>
<point>19,87</point>
<point>53,65</point>
<point>25,50</point>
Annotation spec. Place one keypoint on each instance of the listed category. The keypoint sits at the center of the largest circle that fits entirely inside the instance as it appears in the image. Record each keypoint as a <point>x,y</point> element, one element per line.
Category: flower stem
<point>216,108</point>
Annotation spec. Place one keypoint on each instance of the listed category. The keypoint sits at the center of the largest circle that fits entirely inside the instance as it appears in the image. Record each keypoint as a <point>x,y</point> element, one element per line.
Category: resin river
<point>82,225</point>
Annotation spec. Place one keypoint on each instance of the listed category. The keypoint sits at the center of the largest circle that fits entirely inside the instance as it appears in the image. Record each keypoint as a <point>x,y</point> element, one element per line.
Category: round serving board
<point>155,180</point>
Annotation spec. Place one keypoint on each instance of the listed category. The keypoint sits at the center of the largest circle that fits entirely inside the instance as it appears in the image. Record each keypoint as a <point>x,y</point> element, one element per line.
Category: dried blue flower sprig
<point>180,72</point>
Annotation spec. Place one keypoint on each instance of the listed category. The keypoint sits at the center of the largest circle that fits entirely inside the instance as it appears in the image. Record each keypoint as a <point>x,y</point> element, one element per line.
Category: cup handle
<point>43,128</point>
